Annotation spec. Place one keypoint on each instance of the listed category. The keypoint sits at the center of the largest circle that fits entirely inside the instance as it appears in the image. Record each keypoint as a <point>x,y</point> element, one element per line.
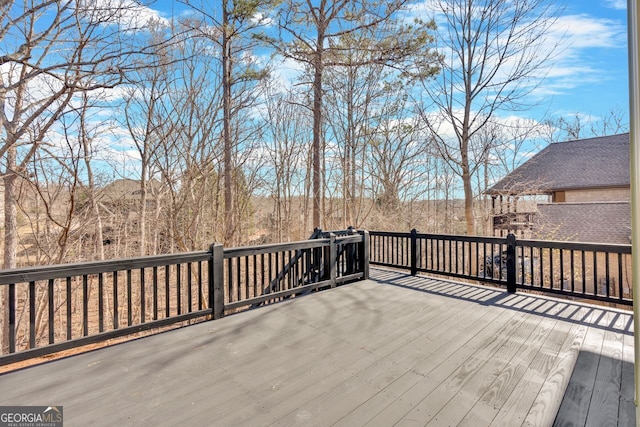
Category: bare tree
<point>577,126</point>
<point>311,36</point>
<point>494,55</point>
<point>352,109</point>
<point>285,136</point>
<point>54,50</point>
<point>396,159</point>
<point>188,158</point>
<point>232,34</point>
<point>146,111</point>
<point>86,135</point>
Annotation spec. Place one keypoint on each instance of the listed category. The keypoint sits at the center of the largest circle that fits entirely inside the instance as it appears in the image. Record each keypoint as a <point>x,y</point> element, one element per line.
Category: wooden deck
<point>394,350</point>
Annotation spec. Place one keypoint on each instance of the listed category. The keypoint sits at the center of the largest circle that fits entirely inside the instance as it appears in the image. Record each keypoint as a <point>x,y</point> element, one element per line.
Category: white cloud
<point>420,10</point>
<point>287,72</point>
<point>616,4</point>
<point>577,39</point>
<point>130,15</point>
<point>584,31</point>
<point>34,91</point>
<point>262,19</point>
<point>573,42</point>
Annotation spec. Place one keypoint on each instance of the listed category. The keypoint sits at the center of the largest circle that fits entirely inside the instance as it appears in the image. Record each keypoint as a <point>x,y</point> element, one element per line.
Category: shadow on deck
<point>420,352</point>
<point>600,389</point>
<point>561,309</point>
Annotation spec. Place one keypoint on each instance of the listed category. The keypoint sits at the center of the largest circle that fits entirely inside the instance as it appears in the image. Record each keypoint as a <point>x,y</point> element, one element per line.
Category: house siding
<point>598,195</point>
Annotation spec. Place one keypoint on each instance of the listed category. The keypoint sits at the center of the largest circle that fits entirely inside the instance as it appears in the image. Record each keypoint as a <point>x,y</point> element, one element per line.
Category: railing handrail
<point>555,244</point>
<point>272,247</point>
<point>124,296</point>
<point>29,274</point>
<point>57,271</point>
<point>288,246</point>
<point>459,237</point>
<point>589,246</point>
<point>511,262</point>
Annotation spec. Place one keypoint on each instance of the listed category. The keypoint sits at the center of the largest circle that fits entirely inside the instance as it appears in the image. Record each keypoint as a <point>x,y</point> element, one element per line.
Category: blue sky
<point>589,74</point>
<point>593,70</point>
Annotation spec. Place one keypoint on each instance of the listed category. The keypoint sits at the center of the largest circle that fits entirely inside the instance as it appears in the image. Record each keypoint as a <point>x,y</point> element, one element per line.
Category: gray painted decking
<point>394,350</point>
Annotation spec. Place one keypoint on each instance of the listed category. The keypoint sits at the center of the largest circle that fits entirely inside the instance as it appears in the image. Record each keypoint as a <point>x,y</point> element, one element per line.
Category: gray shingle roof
<point>584,163</point>
<point>607,222</point>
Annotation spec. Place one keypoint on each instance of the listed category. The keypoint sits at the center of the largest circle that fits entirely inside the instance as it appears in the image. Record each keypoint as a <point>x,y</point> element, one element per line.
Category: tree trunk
<point>95,210</point>
<point>468,201</point>
<point>307,190</point>
<point>486,212</point>
<point>317,130</point>
<point>142,218</point>
<point>10,212</point>
<point>464,152</point>
<point>348,165</point>
<point>156,232</point>
<point>10,236</point>
<point>99,237</point>
<point>226,127</point>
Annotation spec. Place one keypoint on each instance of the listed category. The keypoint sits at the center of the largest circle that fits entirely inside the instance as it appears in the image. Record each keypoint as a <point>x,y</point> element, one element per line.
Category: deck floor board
<point>393,350</point>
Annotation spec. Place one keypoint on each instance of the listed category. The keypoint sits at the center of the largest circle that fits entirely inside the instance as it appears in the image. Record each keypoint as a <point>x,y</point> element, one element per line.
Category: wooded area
<point>123,133</point>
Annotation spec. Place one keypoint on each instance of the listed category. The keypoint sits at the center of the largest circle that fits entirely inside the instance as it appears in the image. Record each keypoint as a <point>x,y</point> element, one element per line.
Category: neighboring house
<point>581,191</point>
<point>126,193</point>
<point>119,204</point>
<point>121,199</point>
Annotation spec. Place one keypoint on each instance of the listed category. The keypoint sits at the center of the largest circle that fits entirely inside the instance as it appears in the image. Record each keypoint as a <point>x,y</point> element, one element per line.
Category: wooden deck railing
<point>54,308</point>
<point>597,272</point>
<point>257,275</point>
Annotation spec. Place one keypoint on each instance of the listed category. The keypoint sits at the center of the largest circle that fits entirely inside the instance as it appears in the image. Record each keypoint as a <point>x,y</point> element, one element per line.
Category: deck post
<point>511,263</point>
<point>414,252</point>
<point>317,265</point>
<point>332,261</point>
<point>365,254</point>
<point>351,253</point>
<point>633,18</point>
<point>12,318</point>
<point>216,281</point>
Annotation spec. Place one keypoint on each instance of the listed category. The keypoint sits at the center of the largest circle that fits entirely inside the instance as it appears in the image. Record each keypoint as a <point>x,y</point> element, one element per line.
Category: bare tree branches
<point>494,55</point>
<point>317,33</point>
